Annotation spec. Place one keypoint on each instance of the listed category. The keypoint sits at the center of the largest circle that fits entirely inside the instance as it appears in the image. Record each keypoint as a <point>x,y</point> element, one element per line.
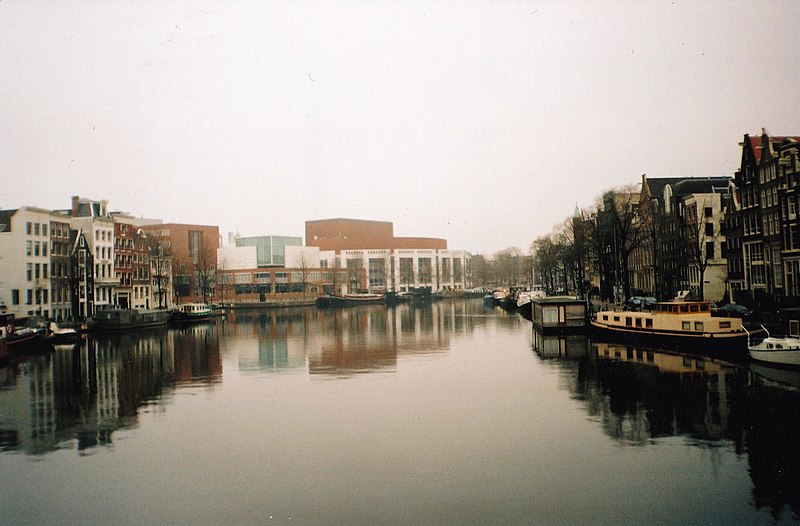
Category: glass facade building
<point>270,250</point>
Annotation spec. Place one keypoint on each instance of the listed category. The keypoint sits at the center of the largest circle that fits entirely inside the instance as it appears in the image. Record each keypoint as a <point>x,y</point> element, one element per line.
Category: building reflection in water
<point>639,395</point>
<point>77,396</point>
<point>343,342</point>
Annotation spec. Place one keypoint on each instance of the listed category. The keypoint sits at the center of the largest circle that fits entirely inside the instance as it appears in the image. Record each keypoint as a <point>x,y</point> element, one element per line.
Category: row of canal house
<point>725,238</point>
<point>67,264</point>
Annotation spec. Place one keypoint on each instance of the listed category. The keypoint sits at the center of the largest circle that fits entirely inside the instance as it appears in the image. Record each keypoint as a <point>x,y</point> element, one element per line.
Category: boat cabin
<point>558,314</point>
<point>683,307</point>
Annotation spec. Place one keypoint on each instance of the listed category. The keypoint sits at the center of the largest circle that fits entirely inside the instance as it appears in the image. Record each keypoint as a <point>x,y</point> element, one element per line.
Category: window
<point>15,296</point>
<point>710,250</point>
<point>709,229</point>
<point>628,321</point>
<point>28,248</point>
<point>29,271</point>
<point>648,323</point>
<point>44,249</point>
<point>28,228</point>
<point>36,229</point>
<point>29,297</point>
<point>686,325</point>
<point>44,296</point>
<point>44,270</point>
<point>44,229</point>
<point>36,250</point>
<point>698,325</point>
<point>708,211</point>
<point>724,325</point>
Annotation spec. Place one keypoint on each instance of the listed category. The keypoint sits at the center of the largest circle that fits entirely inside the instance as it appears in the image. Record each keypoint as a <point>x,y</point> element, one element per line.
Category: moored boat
<point>193,312</point>
<point>674,324</point>
<point>130,319</point>
<point>350,300</point>
<point>558,314</point>
<point>525,304</point>
<point>62,334</point>
<point>776,350</point>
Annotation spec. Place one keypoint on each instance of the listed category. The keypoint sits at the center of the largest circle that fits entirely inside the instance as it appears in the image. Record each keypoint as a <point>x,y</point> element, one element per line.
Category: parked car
<point>733,310</point>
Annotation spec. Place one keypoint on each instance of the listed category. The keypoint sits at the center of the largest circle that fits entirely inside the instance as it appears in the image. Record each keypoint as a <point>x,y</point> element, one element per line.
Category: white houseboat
<point>675,324</point>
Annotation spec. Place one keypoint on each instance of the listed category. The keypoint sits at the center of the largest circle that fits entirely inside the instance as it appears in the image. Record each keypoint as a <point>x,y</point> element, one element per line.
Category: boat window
<point>694,308</point>
<point>616,318</point>
<point>673,308</point>
<point>724,325</point>
<point>687,362</point>
<point>705,307</point>
<point>648,323</point>
<point>628,321</point>
<point>605,317</point>
<point>698,325</point>
<point>638,322</point>
<point>687,326</point>
<point>778,346</point>
<point>700,364</point>
<point>684,308</point>
<point>769,346</point>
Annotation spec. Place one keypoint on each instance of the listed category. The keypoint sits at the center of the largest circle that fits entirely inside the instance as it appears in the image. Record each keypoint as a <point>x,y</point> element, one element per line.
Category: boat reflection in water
<point>569,346</point>
<point>79,395</point>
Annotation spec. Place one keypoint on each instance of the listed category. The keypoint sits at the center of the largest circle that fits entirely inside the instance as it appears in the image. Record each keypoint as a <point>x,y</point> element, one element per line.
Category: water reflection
<point>641,395</point>
<point>344,342</point>
<point>79,395</point>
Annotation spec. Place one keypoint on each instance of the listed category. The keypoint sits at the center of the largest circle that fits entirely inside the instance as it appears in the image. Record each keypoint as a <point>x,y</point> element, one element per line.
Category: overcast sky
<point>479,122</point>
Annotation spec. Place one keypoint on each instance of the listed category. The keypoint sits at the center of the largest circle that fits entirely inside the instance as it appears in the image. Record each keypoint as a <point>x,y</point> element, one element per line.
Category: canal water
<point>446,413</point>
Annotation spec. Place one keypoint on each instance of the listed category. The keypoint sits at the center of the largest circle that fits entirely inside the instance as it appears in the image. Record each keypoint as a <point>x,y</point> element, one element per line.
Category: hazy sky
<point>479,122</point>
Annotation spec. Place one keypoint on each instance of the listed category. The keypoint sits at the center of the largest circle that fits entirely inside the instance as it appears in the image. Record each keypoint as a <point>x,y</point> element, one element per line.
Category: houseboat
<point>193,312</point>
<point>558,315</point>
<point>350,300</point>
<point>130,319</point>
<point>676,325</point>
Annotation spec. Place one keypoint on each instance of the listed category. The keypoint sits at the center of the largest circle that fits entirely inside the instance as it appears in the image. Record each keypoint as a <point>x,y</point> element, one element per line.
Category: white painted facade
<point>237,258</point>
<point>98,226</point>
<point>716,271</point>
<point>402,270</point>
<point>25,262</point>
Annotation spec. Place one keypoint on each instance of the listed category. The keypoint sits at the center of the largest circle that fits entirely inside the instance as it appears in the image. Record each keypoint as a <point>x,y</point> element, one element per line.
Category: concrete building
<point>379,261</point>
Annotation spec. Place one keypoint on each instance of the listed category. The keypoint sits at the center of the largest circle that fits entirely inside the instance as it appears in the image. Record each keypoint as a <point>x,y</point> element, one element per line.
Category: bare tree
<point>616,230</point>
<point>304,265</point>
<point>206,277</point>
<point>355,269</point>
<point>160,258</point>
